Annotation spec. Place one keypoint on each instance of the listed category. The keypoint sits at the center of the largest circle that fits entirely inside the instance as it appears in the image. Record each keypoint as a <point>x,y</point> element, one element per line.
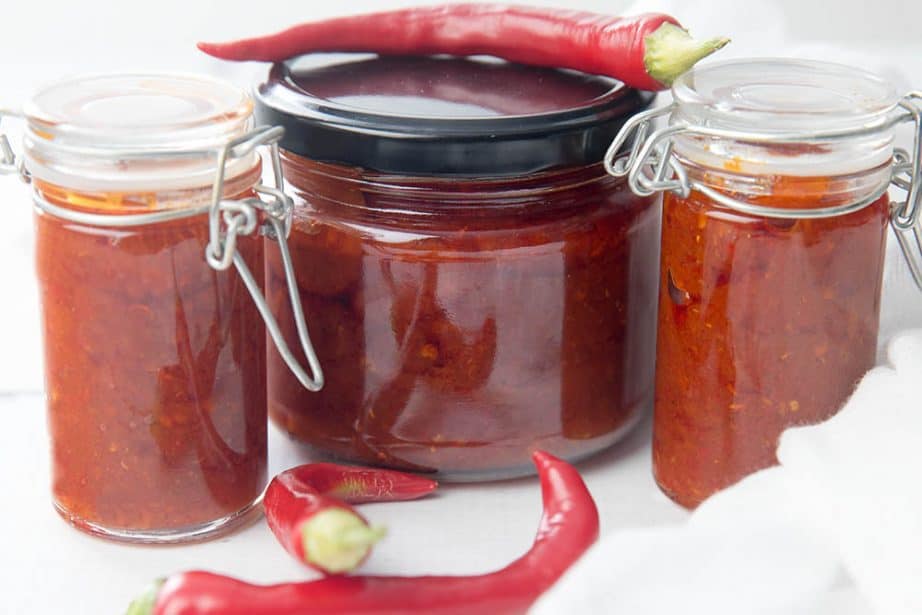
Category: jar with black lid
<point>477,285</point>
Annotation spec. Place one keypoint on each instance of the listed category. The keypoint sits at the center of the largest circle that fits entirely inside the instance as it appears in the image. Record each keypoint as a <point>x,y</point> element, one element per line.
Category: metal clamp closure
<point>9,163</point>
<point>907,176</point>
<point>228,220</point>
<point>651,166</point>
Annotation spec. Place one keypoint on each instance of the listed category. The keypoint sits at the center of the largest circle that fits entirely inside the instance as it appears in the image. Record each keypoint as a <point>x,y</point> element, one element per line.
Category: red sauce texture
<point>154,369</point>
<point>764,324</point>
<point>461,323</point>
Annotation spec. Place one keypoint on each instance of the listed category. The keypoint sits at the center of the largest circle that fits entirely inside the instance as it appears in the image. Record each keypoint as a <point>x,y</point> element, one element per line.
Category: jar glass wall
<point>764,323</point>
<point>773,241</point>
<point>462,324</point>
<point>154,361</point>
<point>477,286</point>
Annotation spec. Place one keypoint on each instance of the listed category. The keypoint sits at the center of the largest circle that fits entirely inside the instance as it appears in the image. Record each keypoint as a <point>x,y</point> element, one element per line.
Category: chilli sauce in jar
<point>773,241</point>
<point>477,285</point>
<point>154,360</point>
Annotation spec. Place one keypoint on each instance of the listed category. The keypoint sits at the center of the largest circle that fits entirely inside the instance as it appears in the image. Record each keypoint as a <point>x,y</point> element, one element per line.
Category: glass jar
<point>478,287</point>
<point>774,231</point>
<point>154,350</point>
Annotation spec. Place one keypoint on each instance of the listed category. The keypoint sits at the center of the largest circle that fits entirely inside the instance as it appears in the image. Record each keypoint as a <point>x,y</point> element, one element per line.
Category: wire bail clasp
<point>907,176</point>
<point>650,166</point>
<point>228,219</point>
<point>653,166</point>
<point>7,157</point>
<point>10,164</point>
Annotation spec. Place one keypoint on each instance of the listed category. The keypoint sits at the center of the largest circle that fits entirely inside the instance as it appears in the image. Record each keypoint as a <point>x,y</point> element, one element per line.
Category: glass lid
<point>779,115</point>
<point>133,131</point>
<point>782,95</point>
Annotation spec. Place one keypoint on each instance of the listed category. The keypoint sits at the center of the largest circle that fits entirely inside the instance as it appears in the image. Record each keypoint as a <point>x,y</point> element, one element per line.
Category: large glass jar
<point>773,241</point>
<point>154,352</point>
<point>477,285</point>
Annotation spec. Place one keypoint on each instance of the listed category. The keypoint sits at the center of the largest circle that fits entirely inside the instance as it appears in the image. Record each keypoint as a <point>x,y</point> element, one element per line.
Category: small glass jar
<point>154,349</point>
<point>478,286</point>
<point>774,231</point>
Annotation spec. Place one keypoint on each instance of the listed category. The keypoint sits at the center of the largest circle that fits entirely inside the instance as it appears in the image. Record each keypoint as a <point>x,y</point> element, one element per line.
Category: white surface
<point>47,567</point>
<point>463,529</point>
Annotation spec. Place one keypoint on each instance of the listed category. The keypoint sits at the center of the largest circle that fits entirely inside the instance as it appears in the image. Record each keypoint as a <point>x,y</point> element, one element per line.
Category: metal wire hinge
<point>651,166</point>
<point>10,164</point>
<point>229,219</point>
<point>907,176</point>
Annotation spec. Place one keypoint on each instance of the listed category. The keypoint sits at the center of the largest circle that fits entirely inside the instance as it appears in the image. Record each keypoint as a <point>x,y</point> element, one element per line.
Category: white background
<point>44,565</point>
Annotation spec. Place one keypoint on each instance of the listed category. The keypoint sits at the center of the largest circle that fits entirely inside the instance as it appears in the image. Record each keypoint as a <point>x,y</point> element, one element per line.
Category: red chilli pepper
<point>308,509</point>
<point>644,51</point>
<point>569,526</point>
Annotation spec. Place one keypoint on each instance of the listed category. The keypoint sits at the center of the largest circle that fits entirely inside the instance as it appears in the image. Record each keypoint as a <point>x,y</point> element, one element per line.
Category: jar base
<point>186,534</point>
<point>525,469</point>
<point>601,444</point>
<point>689,503</point>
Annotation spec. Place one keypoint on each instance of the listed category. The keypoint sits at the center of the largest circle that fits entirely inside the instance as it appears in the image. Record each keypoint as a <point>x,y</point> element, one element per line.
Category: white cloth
<point>839,522</point>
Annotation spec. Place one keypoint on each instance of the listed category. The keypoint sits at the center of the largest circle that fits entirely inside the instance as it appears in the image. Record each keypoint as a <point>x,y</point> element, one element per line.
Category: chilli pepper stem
<point>670,51</point>
<point>336,540</point>
<point>144,603</point>
<point>309,509</point>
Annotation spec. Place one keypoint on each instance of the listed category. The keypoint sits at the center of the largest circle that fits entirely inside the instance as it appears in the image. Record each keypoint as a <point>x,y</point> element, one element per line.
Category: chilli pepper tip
<point>215,50</point>
<point>212,49</point>
<point>542,459</point>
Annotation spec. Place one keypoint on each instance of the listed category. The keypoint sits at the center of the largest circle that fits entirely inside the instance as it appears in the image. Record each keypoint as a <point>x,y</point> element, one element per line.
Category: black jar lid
<point>443,116</point>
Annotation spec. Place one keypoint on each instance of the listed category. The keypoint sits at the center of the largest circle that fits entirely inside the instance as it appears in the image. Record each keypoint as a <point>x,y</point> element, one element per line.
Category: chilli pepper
<point>308,509</point>
<point>644,51</point>
<point>569,526</point>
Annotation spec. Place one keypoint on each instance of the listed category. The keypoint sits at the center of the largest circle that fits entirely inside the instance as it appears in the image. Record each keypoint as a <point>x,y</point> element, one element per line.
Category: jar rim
<point>437,194</point>
<point>350,109</point>
<point>785,116</point>
<point>138,111</point>
<point>783,96</point>
<point>134,131</point>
